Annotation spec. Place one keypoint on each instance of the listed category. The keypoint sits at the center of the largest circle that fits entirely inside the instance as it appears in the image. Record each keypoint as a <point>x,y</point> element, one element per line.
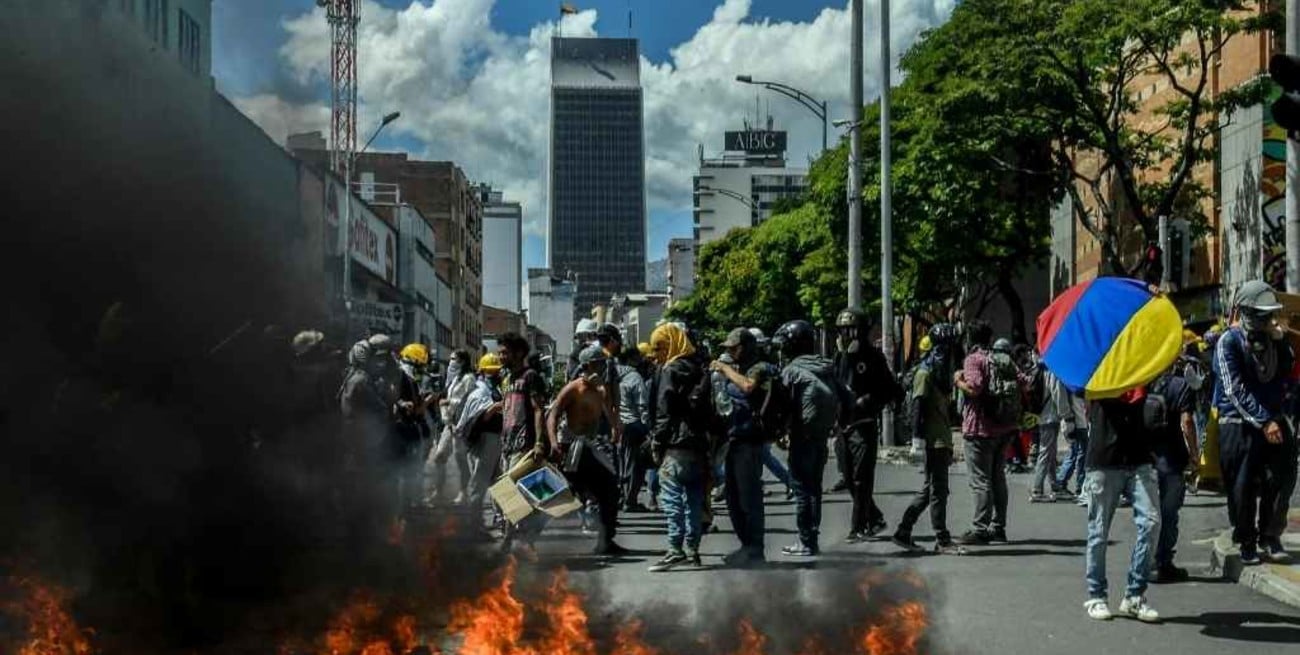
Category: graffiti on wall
<point>1272,186</point>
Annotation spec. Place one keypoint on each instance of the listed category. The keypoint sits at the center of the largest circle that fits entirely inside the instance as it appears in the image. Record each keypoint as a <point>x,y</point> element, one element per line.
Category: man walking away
<point>523,425</point>
<point>748,395</point>
<point>1175,448</point>
<point>816,400</point>
<point>679,444</point>
<point>931,398</point>
<point>990,418</point>
<point>1120,458</point>
<point>1257,449</point>
<point>1057,419</point>
<point>480,429</point>
<point>863,370</point>
<point>1074,464</point>
<point>573,425</point>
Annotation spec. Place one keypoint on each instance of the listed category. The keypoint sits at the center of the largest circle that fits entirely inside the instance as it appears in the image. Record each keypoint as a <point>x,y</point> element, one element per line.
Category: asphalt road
<point>1022,597</point>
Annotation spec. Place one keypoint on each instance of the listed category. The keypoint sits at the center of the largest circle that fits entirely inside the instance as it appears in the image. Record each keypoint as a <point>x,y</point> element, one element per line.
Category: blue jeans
<point>1172,488</point>
<point>1073,466</point>
<point>773,464</point>
<point>808,457</point>
<point>1103,488</point>
<point>681,497</point>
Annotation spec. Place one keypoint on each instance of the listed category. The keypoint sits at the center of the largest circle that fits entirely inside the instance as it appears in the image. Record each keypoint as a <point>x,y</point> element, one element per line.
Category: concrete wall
<point>1241,215</point>
<point>550,307</point>
<point>503,252</point>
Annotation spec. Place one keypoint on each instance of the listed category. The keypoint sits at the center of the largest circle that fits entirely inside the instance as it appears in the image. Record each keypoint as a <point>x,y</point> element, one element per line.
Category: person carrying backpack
<point>747,391</point>
<point>863,370</point>
<point>991,384</point>
<point>930,405</point>
<point>817,400</point>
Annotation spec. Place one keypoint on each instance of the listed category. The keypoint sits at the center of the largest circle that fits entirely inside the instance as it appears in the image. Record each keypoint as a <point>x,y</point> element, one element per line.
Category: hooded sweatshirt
<point>678,377</point>
<point>816,396</point>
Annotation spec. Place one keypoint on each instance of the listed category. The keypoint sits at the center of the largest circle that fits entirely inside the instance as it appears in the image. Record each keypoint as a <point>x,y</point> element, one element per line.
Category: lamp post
<point>346,224</point>
<point>817,107</point>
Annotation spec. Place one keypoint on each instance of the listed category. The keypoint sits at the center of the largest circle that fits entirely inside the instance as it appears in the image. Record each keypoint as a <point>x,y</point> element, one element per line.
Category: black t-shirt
<point>1170,448</point>
<point>1117,437</point>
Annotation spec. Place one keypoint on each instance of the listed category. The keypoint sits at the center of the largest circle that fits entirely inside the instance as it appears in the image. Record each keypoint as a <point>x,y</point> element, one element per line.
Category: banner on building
<point>371,241</point>
<point>378,317</point>
<point>756,142</point>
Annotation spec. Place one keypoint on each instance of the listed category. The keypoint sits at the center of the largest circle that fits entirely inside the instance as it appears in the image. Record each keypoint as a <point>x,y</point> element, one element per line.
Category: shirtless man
<point>572,424</point>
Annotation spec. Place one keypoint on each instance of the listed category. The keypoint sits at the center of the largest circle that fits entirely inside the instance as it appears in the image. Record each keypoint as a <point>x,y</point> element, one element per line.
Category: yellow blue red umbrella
<point>1108,336</point>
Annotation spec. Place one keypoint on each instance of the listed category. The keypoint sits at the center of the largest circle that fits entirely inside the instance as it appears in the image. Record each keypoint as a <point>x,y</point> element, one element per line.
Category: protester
<point>365,401</point>
<point>459,382</point>
<point>1120,460</point>
<point>410,414</point>
<point>584,334</point>
<point>747,388</point>
<point>1257,450</point>
<point>1057,419</point>
<point>990,418</point>
<point>931,395</point>
<point>1175,446</point>
<point>479,428</point>
<point>523,425</point>
<point>679,445</point>
<point>863,370</point>
<point>1075,465</point>
<point>817,400</point>
<point>573,425</point>
<point>770,461</point>
<point>634,414</point>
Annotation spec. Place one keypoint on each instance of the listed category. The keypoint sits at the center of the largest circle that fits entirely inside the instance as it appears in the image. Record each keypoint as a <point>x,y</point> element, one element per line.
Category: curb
<point>1281,582</point>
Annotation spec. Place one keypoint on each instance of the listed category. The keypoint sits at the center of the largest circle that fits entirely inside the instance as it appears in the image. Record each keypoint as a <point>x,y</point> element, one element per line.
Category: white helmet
<point>586,326</point>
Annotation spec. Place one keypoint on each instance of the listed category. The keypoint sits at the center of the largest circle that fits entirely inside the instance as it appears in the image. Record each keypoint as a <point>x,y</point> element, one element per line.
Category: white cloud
<point>481,98</point>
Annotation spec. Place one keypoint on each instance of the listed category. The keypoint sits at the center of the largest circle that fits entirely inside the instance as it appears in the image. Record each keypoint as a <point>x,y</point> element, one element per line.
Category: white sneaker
<point>1136,607</point>
<point>1098,610</point>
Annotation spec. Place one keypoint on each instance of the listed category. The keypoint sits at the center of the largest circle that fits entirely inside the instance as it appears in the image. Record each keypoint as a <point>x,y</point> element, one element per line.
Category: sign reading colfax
<point>756,142</point>
<point>378,317</point>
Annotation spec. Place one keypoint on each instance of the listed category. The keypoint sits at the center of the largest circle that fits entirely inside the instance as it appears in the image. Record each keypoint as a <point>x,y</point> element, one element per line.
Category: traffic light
<point>1178,249</point>
<point>1285,70</point>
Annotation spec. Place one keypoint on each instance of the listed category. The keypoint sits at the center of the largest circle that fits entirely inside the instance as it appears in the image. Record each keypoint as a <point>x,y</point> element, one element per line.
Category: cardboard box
<point>516,506</point>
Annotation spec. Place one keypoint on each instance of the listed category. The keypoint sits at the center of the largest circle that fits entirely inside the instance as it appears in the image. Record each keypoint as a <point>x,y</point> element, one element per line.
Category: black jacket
<point>673,423</point>
<point>866,374</point>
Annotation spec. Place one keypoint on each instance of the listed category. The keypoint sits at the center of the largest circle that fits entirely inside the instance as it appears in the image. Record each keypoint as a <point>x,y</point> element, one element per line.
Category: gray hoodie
<point>816,396</point>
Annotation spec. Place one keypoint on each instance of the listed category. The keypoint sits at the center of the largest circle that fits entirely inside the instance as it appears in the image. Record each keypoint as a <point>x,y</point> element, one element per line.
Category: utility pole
<point>1292,165</point>
<point>886,217</point>
<point>855,158</point>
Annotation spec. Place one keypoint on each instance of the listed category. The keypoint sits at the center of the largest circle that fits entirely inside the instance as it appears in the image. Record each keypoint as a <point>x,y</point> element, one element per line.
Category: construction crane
<point>343,18</point>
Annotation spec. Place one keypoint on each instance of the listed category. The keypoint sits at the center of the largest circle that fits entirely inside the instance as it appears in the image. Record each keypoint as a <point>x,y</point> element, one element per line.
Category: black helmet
<point>796,338</point>
<point>852,317</point>
<point>944,333</point>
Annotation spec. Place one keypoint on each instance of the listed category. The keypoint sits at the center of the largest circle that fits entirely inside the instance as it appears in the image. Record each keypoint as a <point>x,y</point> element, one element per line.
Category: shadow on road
<point>1020,552</point>
<point>1262,627</point>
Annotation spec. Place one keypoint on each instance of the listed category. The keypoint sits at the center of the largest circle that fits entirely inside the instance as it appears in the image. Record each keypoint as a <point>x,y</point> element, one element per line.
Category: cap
<point>586,326</point>
<point>738,337</point>
<point>381,343</point>
<point>1257,295</point>
<point>609,331</point>
<point>304,341</point>
<point>591,354</point>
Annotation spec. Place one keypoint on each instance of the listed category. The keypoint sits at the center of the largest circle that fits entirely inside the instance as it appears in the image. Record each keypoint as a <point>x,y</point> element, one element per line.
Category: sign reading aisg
<point>756,142</point>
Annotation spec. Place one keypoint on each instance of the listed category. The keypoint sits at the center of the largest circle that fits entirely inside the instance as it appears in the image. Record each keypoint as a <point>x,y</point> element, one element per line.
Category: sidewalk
<point>1278,581</point>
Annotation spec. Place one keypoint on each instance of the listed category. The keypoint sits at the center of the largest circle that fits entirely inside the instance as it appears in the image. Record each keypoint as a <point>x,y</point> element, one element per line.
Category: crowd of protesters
<point>689,429</point>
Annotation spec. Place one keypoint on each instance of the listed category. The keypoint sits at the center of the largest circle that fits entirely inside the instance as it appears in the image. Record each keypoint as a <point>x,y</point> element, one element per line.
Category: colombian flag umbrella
<point>1110,335</point>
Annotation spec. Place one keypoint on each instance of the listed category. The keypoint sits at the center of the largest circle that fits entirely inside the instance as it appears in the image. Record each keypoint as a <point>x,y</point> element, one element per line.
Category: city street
<point>1022,597</point>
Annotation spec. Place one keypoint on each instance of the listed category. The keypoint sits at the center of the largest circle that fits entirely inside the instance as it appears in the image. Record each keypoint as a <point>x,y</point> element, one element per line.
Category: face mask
<point>1257,323</point>
<point>453,369</point>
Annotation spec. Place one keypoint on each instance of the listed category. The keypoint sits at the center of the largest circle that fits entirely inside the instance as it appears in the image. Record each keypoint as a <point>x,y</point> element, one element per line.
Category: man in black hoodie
<point>679,444</point>
<point>862,368</point>
<point>816,400</point>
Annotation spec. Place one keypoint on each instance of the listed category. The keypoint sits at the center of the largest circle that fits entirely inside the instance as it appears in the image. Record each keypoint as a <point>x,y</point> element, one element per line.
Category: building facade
<point>178,29</point>
<point>597,168</point>
<point>681,269</point>
<point>503,249</point>
<point>742,187</point>
<point>551,302</point>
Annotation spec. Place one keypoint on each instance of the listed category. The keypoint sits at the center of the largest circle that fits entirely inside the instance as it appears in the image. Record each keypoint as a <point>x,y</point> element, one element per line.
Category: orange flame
<point>899,633</point>
<point>628,640</point>
<point>51,630</point>
<point>751,640</point>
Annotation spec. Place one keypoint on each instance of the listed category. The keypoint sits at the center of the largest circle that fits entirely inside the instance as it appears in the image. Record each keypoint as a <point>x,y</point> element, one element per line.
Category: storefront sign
<point>376,317</point>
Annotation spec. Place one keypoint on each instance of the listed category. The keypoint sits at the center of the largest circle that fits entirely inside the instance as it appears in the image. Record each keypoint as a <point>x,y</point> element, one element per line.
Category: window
<point>155,21</point>
<point>189,47</point>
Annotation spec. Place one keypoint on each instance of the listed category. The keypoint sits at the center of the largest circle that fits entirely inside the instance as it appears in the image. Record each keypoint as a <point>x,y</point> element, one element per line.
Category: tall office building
<point>597,176</point>
<point>742,186</point>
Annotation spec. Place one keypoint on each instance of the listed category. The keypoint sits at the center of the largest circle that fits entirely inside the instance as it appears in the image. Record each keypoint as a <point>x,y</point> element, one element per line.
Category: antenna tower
<point>343,18</point>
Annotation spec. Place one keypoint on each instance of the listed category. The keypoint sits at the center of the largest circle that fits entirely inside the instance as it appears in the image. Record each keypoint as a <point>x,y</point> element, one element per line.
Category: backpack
<point>703,416</point>
<point>1003,404</point>
<point>907,413</point>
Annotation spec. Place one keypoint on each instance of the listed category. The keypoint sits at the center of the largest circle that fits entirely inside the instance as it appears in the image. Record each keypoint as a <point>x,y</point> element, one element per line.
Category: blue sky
<point>269,57</point>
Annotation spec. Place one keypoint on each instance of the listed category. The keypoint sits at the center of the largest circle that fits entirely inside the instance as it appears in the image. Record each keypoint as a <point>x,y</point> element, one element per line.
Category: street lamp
<point>346,224</point>
<point>741,198</point>
<point>817,107</point>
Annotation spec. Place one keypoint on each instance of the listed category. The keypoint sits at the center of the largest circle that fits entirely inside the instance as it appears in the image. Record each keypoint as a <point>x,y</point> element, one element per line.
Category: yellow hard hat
<point>416,353</point>
<point>489,363</point>
<point>926,344</point>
